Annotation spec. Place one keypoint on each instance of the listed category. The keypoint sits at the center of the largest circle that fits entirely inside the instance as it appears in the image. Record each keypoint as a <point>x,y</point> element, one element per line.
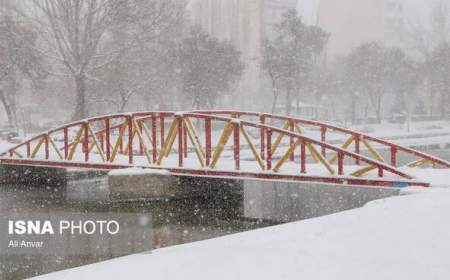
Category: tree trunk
<point>274,102</point>
<point>197,104</point>
<point>8,108</point>
<point>379,109</point>
<point>123,101</point>
<point>80,107</point>
<point>275,94</point>
<point>353,109</point>
<point>288,99</point>
<point>443,104</point>
<point>122,106</point>
<point>430,99</point>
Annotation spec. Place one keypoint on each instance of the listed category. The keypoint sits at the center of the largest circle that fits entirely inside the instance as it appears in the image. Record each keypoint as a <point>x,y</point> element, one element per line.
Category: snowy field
<point>405,237</point>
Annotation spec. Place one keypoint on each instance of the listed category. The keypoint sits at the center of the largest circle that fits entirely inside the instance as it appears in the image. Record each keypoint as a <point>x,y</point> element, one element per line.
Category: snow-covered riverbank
<point>405,237</point>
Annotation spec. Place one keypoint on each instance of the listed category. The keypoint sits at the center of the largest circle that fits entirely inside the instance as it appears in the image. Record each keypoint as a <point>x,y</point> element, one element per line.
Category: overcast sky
<point>415,9</point>
<point>308,10</point>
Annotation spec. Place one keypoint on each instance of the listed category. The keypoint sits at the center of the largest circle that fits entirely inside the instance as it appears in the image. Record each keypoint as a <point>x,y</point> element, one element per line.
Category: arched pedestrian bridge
<point>226,144</point>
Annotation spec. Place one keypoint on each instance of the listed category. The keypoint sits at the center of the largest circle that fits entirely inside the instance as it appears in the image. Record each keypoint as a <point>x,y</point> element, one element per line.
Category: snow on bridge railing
<point>355,138</point>
<point>140,139</point>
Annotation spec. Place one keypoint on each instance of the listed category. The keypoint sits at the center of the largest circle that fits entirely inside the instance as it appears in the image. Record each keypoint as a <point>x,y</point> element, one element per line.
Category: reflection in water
<point>174,221</point>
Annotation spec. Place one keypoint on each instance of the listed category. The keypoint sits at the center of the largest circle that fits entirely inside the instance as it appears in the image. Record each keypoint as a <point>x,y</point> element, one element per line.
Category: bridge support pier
<point>124,186</point>
<point>160,185</point>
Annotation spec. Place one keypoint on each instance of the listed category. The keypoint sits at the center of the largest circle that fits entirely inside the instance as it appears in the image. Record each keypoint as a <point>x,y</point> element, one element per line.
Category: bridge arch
<point>220,144</point>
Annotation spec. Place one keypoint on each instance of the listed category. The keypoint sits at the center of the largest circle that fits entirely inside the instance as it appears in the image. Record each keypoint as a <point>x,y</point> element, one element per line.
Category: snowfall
<point>402,237</point>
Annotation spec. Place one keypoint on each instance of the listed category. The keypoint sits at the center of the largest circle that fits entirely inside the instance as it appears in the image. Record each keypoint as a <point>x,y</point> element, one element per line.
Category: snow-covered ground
<point>404,237</point>
<point>5,145</point>
<point>394,131</point>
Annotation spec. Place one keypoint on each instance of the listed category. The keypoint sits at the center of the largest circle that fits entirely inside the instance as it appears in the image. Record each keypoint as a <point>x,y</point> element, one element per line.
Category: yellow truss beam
<point>134,132</point>
<point>195,141</point>
<point>286,155</point>
<point>195,134</point>
<point>344,146</point>
<point>118,141</point>
<point>319,157</point>
<point>374,152</point>
<point>97,143</point>
<point>17,154</point>
<point>141,140</point>
<point>75,143</point>
<point>314,153</point>
<point>419,163</point>
<point>173,131</point>
<point>91,146</point>
<point>55,148</point>
<point>170,140</point>
<point>227,130</point>
<point>38,146</point>
<point>147,133</point>
<point>279,138</point>
<point>252,148</point>
<point>363,171</point>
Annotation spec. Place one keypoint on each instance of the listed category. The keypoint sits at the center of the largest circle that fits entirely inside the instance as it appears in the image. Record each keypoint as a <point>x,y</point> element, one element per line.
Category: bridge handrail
<point>309,140</point>
<point>358,134</point>
<point>237,113</point>
<point>216,115</point>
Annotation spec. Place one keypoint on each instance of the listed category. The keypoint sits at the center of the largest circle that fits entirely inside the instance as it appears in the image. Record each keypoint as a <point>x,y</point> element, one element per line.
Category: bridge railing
<point>187,142</point>
<point>352,138</point>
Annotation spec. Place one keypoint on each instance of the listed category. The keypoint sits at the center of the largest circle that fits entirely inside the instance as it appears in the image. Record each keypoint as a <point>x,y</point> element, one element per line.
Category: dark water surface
<point>174,221</point>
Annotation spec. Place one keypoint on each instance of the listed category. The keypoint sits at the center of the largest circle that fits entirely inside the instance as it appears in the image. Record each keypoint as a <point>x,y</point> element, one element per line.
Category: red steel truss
<point>223,144</point>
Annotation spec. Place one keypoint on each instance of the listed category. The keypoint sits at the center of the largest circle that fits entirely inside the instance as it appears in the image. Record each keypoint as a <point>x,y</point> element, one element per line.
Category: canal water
<point>174,221</point>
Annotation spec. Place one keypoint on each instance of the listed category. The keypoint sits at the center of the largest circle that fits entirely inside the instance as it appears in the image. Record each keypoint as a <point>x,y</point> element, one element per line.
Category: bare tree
<point>271,65</point>
<point>425,37</point>
<point>76,34</point>
<point>374,70</point>
<point>438,68</point>
<point>17,60</point>
<point>145,70</point>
